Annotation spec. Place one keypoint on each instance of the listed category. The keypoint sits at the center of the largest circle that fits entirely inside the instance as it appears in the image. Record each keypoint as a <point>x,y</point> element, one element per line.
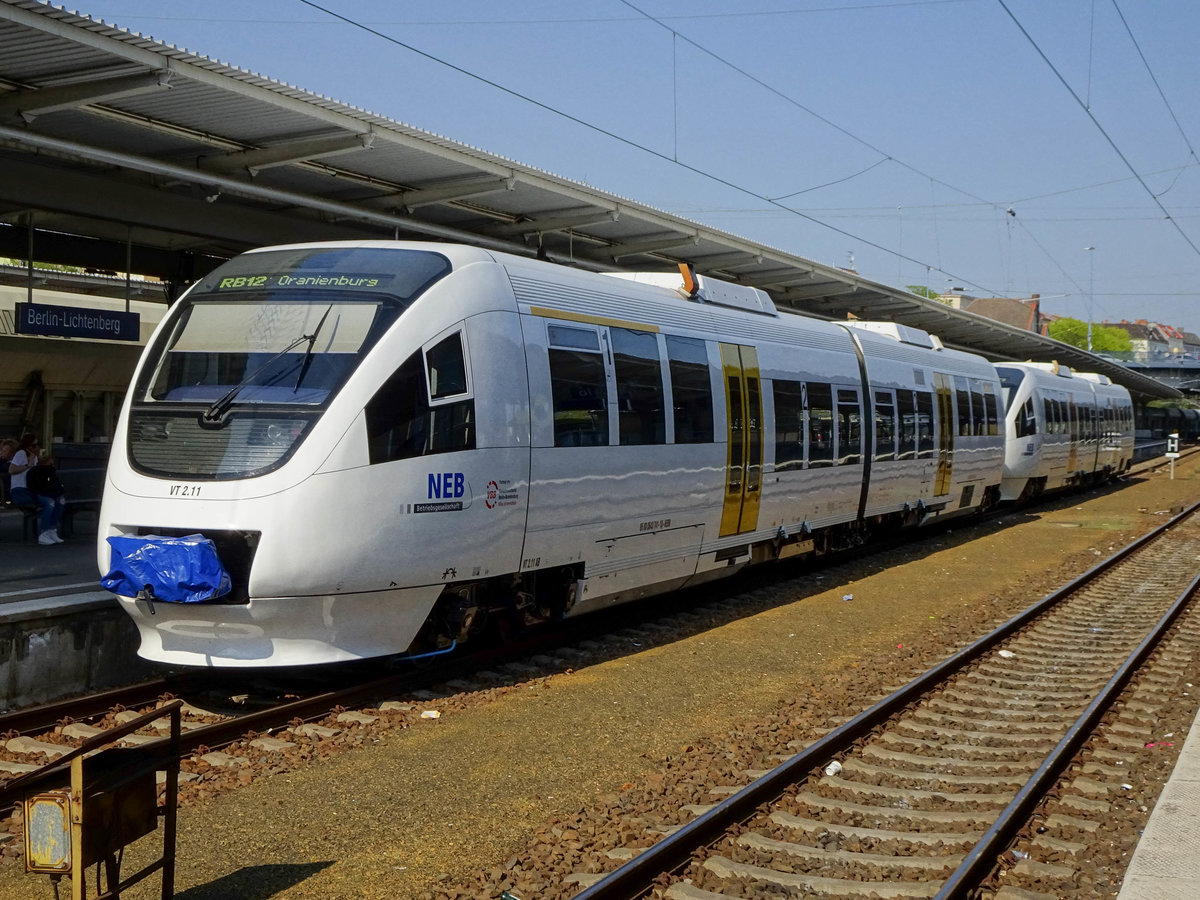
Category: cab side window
<point>1025,422</point>
<point>402,422</point>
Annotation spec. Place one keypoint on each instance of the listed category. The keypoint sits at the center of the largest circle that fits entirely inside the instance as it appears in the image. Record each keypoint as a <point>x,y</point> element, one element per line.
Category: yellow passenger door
<point>946,427</point>
<point>743,467</point>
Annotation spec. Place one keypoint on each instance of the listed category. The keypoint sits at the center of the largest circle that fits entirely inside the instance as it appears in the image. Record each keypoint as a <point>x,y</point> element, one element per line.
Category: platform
<point>32,575</point>
<point>60,633</point>
<point>1166,863</point>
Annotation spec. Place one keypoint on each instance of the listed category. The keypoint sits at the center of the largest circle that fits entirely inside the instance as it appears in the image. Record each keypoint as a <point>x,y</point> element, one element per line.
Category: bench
<point>83,488</point>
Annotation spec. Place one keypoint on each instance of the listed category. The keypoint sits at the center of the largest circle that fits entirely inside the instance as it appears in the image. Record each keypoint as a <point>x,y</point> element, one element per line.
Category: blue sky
<point>895,133</point>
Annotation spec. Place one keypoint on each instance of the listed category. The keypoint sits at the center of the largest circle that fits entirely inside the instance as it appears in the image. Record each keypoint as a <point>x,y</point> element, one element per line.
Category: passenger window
<point>820,424</point>
<point>906,415</point>
<point>401,424</point>
<point>789,424</point>
<point>992,404</point>
<point>578,388</point>
<point>925,448</point>
<point>849,429</point>
<point>979,417</point>
<point>691,390</point>
<point>641,418</point>
<point>963,403</point>
<point>885,426</point>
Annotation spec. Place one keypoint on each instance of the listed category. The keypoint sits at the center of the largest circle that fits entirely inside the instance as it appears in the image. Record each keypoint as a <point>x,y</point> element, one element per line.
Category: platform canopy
<point>126,153</point>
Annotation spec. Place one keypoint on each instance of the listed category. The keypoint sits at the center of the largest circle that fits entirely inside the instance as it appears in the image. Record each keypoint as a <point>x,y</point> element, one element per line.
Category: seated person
<point>36,483</point>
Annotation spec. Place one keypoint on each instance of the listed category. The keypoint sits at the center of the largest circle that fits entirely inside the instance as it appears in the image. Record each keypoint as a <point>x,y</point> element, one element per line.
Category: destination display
<point>300,279</point>
<point>43,320</point>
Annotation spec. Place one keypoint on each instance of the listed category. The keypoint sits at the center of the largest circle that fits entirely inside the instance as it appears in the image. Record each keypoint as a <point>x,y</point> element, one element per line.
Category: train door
<point>743,467</point>
<point>944,388</point>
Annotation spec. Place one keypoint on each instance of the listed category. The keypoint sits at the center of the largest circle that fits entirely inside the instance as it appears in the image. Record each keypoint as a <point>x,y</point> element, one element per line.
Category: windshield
<point>260,344</point>
<point>1010,380</point>
<point>258,348</point>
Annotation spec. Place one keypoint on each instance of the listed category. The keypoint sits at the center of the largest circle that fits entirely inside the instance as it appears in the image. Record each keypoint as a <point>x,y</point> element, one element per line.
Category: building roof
<point>1017,313</point>
<point>1137,331</point>
<point>123,145</point>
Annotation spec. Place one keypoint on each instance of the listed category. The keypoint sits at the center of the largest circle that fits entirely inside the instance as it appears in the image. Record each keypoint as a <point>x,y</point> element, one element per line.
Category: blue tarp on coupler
<point>170,569</point>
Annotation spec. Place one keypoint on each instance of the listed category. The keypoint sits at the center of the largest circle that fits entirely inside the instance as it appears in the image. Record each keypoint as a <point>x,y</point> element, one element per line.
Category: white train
<point>387,443</point>
<point>1066,429</point>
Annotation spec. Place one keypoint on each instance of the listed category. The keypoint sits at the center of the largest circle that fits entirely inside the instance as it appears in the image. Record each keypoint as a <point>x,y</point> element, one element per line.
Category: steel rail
<point>46,715</point>
<point>635,877</point>
<point>982,858</point>
<point>310,707</point>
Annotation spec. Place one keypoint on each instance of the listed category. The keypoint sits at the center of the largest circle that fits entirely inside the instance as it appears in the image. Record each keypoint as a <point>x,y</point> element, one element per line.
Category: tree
<point>922,291</point>
<point>1105,339</point>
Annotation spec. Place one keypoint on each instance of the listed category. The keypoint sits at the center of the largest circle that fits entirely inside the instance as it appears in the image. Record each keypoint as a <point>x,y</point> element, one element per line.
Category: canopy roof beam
<point>255,160</point>
<point>448,192</point>
<point>563,221</point>
<point>33,102</point>
<point>638,248</point>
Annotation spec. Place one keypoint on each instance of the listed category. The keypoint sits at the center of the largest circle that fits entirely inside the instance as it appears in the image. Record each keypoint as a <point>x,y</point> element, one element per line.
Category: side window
<point>691,390</point>
<point>925,448</point>
<point>906,415</point>
<point>962,400</point>
<point>641,418</point>
<point>820,424</point>
<point>979,419</point>
<point>578,387</point>
<point>789,424</point>
<point>992,405</point>
<point>1026,421</point>
<point>885,426</point>
<point>451,424</point>
<point>849,428</point>
<point>447,368</point>
<point>402,424</point>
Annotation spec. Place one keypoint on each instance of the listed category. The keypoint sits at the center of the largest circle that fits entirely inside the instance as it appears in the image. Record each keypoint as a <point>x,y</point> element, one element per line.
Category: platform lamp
<point>1091,291</point>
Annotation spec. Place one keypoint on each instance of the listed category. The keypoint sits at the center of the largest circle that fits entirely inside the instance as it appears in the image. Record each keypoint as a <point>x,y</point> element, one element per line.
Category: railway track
<point>308,716</point>
<point>956,780</point>
<point>269,717</point>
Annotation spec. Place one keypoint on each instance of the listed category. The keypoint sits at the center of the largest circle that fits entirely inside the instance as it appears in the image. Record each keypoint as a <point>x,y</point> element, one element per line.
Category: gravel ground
<point>441,807</point>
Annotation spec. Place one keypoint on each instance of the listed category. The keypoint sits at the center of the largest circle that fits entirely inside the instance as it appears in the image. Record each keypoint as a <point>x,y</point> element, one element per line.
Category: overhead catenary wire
<point>1107,137</point>
<point>717,179</point>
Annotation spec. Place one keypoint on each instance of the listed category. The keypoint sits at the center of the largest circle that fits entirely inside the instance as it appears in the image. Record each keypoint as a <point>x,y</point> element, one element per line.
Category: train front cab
<point>1063,429</point>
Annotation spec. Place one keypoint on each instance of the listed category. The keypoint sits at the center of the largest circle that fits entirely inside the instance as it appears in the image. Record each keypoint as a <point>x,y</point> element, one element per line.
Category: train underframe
<point>508,606</point>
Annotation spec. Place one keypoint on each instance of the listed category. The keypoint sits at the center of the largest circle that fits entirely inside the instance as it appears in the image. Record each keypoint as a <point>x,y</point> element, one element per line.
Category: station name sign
<point>74,321</point>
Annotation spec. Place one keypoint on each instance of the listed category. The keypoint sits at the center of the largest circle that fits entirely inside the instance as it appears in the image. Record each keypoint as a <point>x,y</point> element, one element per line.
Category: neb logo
<point>445,485</point>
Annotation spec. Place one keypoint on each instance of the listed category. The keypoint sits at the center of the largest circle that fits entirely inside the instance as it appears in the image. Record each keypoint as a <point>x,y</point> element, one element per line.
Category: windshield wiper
<point>221,406</point>
<point>308,354</point>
